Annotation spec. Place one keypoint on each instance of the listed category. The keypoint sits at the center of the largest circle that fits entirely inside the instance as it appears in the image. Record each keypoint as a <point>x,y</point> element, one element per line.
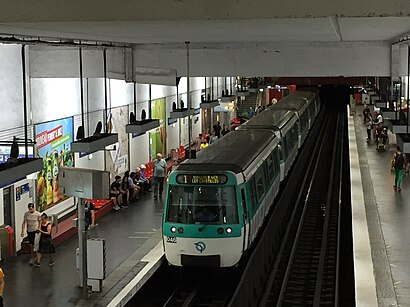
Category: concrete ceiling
<point>323,29</point>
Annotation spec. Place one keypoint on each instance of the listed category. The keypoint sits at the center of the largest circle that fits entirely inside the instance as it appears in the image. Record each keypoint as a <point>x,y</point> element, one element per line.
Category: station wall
<point>11,94</point>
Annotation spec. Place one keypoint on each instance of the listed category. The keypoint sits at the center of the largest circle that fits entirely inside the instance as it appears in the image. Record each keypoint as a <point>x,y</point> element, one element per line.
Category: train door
<point>244,220</point>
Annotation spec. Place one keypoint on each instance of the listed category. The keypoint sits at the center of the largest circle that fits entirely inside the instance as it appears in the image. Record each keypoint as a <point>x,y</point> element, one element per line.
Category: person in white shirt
<point>32,219</point>
<point>160,167</point>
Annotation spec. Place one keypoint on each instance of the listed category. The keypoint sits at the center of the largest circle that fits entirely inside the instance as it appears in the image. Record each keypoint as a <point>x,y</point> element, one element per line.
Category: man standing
<point>217,128</point>
<point>32,218</point>
<point>159,175</point>
<point>399,164</point>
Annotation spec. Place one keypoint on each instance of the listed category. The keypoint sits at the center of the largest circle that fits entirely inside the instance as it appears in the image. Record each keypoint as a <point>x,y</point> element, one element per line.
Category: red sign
<point>48,136</point>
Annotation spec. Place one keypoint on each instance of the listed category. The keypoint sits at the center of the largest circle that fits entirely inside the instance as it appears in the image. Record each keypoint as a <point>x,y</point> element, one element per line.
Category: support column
<point>82,244</point>
<point>188,102</point>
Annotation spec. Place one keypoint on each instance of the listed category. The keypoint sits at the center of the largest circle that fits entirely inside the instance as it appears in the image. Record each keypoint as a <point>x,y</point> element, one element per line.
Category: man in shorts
<point>32,219</point>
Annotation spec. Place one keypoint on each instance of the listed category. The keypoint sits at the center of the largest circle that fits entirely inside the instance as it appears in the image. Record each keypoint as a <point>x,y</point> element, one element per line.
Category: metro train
<point>216,204</point>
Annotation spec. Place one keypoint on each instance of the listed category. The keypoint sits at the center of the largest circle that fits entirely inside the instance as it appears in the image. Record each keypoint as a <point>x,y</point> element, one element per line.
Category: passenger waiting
<point>142,184</point>
<point>134,189</point>
<point>147,180</point>
<point>213,138</point>
<point>116,194</point>
<point>217,130</point>
<point>204,144</point>
<point>125,186</point>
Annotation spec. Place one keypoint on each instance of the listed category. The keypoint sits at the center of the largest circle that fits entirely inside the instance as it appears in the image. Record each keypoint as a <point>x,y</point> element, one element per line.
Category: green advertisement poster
<point>53,145</point>
<point>157,137</point>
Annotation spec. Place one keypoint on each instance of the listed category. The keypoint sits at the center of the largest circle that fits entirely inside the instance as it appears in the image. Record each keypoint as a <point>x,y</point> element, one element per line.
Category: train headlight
<point>229,230</point>
<point>220,230</point>
<point>173,229</point>
<point>180,230</point>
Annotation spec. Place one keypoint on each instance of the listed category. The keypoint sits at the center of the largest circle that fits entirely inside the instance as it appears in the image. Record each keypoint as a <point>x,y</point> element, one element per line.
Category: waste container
<point>7,242</point>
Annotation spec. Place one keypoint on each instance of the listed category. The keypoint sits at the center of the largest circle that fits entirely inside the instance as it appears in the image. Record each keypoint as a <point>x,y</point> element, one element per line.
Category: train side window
<point>270,168</point>
<point>260,185</point>
<point>244,209</point>
<point>285,145</point>
<point>252,193</point>
<point>281,150</point>
<point>275,162</point>
<point>306,119</point>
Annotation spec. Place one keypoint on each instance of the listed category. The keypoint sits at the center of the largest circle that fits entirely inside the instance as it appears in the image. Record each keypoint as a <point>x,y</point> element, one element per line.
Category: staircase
<point>244,105</point>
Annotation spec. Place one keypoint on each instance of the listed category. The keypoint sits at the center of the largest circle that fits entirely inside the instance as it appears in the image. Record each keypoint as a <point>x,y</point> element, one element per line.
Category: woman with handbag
<point>46,244</point>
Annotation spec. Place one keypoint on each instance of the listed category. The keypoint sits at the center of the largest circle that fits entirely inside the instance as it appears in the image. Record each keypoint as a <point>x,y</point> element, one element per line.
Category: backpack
<point>399,161</point>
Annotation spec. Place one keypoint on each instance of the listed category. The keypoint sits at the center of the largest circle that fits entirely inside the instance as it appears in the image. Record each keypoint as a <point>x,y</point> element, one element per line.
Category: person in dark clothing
<point>116,193</point>
<point>89,215</point>
<point>217,129</point>
<point>46,243</point>
<point>125,185</point>
<point>225,130</point>
<point>399,165</point>
<point>369,126</point>
<point>134,189</point>
<point>366,114</point>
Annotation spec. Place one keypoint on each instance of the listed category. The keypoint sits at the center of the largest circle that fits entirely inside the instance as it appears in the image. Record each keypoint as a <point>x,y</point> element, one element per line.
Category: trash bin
<point>7,242</point>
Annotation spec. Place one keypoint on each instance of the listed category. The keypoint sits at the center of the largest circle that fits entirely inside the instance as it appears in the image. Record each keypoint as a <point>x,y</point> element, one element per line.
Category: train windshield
<point>202,205</point>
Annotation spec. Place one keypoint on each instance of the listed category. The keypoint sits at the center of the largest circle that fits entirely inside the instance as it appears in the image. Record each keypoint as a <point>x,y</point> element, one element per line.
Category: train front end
<point>201,224</point>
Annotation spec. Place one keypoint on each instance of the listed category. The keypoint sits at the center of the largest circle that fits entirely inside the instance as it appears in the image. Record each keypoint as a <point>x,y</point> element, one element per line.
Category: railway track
<point>306,269</point>
<point>172,287</point>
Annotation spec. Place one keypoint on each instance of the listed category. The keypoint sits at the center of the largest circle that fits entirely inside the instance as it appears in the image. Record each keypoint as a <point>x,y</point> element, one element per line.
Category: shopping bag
<point>37,242</point>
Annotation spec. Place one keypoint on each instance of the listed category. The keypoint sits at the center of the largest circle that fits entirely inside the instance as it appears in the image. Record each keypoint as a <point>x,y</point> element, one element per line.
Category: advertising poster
<point>116,155</point>
<point>157,137</point>
<point>53,145</point>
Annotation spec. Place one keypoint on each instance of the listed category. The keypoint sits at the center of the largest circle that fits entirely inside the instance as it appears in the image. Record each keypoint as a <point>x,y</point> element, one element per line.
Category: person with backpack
<point>399,165</point>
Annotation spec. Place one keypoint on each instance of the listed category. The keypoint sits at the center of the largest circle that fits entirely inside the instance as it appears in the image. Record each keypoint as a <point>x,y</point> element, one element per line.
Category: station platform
<point>388,221</point>
<point>133,239</point>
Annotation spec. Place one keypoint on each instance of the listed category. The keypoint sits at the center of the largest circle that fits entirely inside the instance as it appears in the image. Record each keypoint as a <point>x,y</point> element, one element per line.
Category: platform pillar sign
<point>84,184</point>
<point>82,244</point>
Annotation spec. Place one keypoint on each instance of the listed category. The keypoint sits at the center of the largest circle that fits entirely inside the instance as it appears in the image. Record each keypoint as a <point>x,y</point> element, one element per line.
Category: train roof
<point>233,152</point>
<point>271,118</point>
<point>305,93</point>
<point>298,104</point>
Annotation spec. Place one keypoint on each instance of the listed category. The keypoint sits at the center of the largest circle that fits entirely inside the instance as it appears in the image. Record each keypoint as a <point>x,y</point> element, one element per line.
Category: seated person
<point>142,184</point>
<point>134,189</point>
<point>116,193</point>
<point>204,144</point>
<point>142,176</point>
<point>205,215</point>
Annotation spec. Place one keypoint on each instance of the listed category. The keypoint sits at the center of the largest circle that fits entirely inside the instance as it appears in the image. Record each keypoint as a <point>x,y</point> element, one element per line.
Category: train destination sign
<point>201,179</point>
